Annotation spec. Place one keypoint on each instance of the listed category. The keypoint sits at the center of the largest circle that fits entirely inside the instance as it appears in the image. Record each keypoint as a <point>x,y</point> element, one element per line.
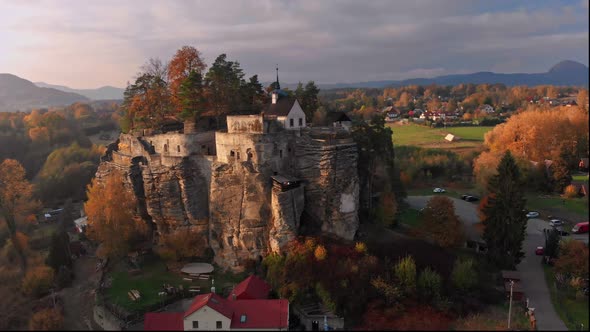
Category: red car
<point>539,251</point>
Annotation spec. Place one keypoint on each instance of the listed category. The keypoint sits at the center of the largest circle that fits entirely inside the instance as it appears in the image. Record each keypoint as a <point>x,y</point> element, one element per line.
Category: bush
<point>570,191</point>
<point>320,253</point>
<point>46,320</point>
<point>38,281</point>
<point>405,272</point>
<point>429,284</point>
<point>464,276</point>
<point>360,247</point>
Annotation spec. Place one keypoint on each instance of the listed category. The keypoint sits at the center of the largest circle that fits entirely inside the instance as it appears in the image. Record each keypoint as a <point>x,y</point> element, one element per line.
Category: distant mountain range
<point>19,94</point>
<point>102,93</point>
<point>565,73</point>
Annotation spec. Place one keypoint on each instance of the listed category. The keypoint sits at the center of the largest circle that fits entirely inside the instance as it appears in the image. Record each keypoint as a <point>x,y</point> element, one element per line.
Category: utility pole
<point>510,304</point>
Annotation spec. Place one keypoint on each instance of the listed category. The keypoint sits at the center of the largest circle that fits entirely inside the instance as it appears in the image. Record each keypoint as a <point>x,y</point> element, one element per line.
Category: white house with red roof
<point>247,308</point>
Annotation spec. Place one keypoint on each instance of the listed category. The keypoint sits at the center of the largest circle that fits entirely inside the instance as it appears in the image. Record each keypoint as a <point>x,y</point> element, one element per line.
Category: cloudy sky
<point>87,44</point>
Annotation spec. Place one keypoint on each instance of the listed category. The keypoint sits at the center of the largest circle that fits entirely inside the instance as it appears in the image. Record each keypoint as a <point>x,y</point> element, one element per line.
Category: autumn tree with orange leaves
<point>441,223</point>
<point>16,202</point>
<point>49,319</point>
<point>111,221</point>
<point>185,62</point>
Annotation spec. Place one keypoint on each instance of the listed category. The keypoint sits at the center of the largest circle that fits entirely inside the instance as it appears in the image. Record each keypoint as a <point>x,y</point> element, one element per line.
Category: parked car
<point>555,222</point>
<point>581,227</point>
<point>464,196</point>
<point>438,190</point>
<point>472,198</point>
<point>561,232</point>
<point>539,251</point>
<point>532,214</point>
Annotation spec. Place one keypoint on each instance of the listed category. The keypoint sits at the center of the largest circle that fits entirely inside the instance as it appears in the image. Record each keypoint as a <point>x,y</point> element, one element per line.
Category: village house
<point>246,308</point>
<point>486,108</point>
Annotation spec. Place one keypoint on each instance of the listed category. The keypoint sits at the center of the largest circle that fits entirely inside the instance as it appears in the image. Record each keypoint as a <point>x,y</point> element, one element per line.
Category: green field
<point>422,136</point>
<point>572,311</point>
<point>554,204</point>
<point>149,283</point>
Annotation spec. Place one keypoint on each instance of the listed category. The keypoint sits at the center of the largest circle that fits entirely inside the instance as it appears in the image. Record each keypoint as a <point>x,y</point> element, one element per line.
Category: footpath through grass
<point>572,311</point>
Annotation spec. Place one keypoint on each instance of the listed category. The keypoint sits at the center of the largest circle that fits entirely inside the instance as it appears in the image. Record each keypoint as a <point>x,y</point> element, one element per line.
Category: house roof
<point>213,301</point>
<point>281,108</point>
<point>337,117</point>
<point>251,288</point>
<point>163,321</point>
<point>260,314</point>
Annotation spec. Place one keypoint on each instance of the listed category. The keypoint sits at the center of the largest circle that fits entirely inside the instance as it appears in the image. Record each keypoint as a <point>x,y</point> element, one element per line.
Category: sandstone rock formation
<point>231,205</point>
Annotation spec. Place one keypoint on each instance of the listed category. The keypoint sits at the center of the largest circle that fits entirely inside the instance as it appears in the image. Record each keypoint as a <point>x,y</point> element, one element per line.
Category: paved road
<point>530,267</point>
<point>533,279</point>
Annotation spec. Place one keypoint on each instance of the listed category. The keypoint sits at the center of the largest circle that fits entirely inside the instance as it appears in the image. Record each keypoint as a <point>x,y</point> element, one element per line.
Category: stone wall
<point>252,124</point>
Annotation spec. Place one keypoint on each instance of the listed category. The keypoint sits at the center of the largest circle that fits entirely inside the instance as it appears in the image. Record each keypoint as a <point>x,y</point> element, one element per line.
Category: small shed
<point>338,119</point>
<point>452,138</point>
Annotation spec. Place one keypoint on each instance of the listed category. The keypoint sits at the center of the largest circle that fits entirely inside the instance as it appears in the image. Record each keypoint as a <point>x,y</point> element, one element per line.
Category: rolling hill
<point>17,94</point>
<point>102,93</point>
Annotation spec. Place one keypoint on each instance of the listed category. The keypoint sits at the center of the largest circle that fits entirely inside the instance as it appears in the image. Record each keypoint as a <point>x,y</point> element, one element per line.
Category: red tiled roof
<point>213,301</point>
<point>260,314</point>
<point>163,321</point>
<point>251,288</point>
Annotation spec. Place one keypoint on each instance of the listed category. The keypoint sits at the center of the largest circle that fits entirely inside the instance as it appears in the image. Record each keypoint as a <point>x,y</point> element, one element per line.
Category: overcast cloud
<point>87,44</point>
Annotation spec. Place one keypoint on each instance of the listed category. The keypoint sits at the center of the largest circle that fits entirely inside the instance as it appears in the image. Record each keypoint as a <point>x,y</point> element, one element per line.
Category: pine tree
<point>505,222</point>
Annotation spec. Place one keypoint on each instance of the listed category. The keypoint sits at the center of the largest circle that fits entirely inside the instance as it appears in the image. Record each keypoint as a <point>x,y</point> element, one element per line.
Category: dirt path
<point>79,298</point>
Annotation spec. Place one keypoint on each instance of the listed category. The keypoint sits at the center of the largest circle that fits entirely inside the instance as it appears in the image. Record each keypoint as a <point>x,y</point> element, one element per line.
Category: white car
<point>438,190</point>
<point>532,214</point>
<point>555,222</point>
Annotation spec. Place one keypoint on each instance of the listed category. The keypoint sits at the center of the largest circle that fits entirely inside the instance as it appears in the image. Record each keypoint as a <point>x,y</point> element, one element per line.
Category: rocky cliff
<point>232,207</point>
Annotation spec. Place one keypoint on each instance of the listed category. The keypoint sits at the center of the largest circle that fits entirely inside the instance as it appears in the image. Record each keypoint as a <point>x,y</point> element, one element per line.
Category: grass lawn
<point>573,312</point>
<point>416,135</point>
<point>149,283</point>
<point>410,217</point>
<point>538,202</point>
<point>580,177</point>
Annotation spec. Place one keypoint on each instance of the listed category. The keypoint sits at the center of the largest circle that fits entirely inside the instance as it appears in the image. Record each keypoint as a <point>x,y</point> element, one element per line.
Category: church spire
<point>278,84</point>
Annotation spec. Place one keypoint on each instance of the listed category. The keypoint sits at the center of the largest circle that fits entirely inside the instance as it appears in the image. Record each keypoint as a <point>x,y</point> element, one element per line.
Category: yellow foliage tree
<point>16,200</point>
<point>110,210</point>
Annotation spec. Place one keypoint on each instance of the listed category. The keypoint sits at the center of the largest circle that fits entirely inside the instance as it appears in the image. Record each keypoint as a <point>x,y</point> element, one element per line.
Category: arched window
<point>178,148</point>
<point>165,147</point>
<point>232,153</point>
